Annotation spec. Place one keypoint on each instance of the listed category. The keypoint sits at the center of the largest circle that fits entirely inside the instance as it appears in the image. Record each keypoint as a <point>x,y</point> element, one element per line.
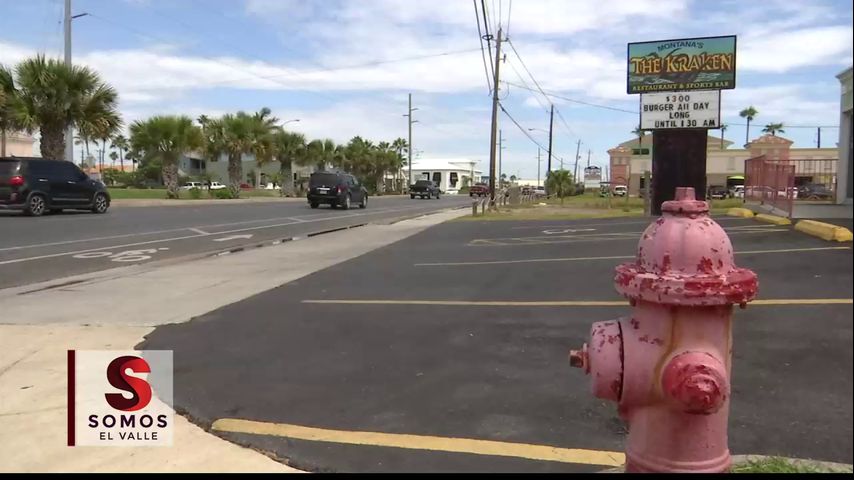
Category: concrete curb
<point>740,212</point>
<point>824,231</point>
<point>744,459</point>
<point>764,217</point>
<point>162,202</point>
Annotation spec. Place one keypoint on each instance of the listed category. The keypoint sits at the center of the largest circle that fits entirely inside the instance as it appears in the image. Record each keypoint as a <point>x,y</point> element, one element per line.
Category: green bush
<point>222,194</point>
<point>195,193</point>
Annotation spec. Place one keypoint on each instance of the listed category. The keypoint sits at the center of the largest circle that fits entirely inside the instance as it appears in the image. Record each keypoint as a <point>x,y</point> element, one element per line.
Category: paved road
<point>500,372</point>
<point>56,246</point>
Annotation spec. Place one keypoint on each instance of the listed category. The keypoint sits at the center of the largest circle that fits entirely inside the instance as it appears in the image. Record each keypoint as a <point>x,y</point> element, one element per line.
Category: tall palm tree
<point>54,96</point>
<point>773,128</point>
<point>289,147</point>
<point>749,113</point>
<point>165,138</point>
<point>236,135</point>
<point>724,126</point>
<point>399,145</point>
<point>121,143</point>
<point>8,103</point>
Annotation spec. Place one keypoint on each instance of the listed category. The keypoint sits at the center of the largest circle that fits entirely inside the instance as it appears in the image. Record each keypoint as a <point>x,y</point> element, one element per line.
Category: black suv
<point>336,189</point>
<point>36,186</point>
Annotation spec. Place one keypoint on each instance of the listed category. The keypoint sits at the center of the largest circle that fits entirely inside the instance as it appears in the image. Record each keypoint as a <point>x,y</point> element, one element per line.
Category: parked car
<point>737,191</point>
<point>621,191</point>
<point>192,185</point>
<point>336,189</point>
<point>716,192</point>
<point>815,191</point>
<point>424,189</point>
<point>35,186</point>
<point>540,191</point>
<point>479,189</point>
<point>217,186</point>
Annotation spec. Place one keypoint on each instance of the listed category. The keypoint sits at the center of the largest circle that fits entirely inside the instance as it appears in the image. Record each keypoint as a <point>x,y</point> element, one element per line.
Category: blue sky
<point>316,60</point>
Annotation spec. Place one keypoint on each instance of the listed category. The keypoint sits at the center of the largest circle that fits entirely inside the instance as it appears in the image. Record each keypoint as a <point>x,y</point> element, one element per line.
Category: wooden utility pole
<point>494,131</point>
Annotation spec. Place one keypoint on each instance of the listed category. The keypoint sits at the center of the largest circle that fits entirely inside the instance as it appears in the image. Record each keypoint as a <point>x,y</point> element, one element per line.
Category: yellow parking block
<point>764,217</point>
<point>824,231</point>
<point>740,212</point>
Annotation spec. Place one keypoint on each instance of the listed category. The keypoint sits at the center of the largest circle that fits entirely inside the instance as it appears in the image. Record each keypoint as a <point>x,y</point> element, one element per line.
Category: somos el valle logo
<point>118,398</point>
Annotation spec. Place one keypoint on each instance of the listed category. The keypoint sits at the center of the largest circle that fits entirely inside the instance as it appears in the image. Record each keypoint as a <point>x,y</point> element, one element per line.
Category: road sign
<point>697,109</point>
<point>706,63</point>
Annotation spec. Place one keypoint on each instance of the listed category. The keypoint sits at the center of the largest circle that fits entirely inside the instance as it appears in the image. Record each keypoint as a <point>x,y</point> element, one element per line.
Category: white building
<point>449,173</point>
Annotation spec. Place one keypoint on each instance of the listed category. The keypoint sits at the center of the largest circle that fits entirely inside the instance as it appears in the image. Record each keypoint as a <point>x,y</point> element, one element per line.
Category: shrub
<point>195,193</point>
<point>223,194</point>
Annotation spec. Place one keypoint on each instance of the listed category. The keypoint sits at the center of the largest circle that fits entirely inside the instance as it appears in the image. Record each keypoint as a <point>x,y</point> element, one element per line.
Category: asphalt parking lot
<point>448,352</point>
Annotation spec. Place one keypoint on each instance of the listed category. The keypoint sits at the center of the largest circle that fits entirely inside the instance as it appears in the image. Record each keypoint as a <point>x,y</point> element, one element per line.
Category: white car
<point>192,185</point>
<point>737,191</point>
<point>217,186</point>
<point>621,191</point>
<point>541,191</point>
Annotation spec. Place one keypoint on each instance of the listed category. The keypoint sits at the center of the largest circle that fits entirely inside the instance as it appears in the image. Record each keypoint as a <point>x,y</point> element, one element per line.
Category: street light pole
<point>69,131</point>
<point>538,166</point>
<point>409,150</point>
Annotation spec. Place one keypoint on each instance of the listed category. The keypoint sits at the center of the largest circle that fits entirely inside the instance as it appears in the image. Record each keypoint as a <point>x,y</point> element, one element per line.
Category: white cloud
<point>788,50</point>
<point>787,103</point>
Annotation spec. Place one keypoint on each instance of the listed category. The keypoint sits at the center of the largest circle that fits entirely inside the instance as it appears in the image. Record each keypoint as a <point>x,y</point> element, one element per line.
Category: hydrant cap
<point>685,258</point>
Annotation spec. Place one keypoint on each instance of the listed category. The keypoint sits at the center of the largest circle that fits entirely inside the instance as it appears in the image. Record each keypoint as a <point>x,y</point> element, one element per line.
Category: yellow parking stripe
<point>566,303</point>
<point>423,442</point>
<point>619,257</point>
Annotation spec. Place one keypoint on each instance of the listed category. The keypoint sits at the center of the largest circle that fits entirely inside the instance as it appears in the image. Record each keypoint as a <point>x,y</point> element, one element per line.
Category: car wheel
<point>412,197</point>
<point>364,203</point>
<point>437,196</point>
<point>813,197</point>
<point>36,205</point>
<point>314,204</point>
<point>346,204</point>
<point>100,203</point>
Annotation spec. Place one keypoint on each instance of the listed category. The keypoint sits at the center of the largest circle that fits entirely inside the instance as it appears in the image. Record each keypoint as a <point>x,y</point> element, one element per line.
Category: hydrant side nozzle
<point>696,382</point>
<point>578,358</point>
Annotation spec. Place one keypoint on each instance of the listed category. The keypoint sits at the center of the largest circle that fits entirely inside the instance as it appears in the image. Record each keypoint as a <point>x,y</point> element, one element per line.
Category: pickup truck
<point>479,189</point>
<point>424,189</point>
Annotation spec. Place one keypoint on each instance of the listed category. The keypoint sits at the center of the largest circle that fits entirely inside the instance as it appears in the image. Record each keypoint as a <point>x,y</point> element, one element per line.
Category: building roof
<point>463,164</point>
<point>769,139</point>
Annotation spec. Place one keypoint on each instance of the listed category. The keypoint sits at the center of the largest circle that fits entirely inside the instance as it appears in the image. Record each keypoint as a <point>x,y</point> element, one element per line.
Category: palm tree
<point>323,153</point>
<point>165,138</point>
<point>289,147</point>
<point>237,135</point>
<point>113,157</point>
<point>749,113</point>
<point>8,103</point>
<point>773,128</point>
<point>399,145</point>
<point>560,183</point>
<point>640,134</point>
<point>121,143</point>
<point>724,126</point>
<point>54,96</point>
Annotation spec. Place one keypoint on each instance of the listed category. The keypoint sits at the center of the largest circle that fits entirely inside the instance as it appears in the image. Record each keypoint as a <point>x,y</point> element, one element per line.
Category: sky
<point>346,67</point>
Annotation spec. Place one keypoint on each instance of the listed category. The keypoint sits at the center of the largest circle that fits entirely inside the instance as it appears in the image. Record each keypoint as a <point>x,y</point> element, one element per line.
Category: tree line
<point>47,96</point>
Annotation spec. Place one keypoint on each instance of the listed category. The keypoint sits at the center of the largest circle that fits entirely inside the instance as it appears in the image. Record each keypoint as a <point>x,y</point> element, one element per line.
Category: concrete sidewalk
<point>115,309</point>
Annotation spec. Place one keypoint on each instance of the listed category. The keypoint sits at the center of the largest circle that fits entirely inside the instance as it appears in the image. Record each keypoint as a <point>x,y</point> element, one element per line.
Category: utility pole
<point>500,154</point>
<point>577,156</point>
<point>69,132</point>
<point>409,150</point>
<point>588,158</point>
<point>551,130</point>
<point>494,131</point>
<point>819,137</point>
<point>538,166</point>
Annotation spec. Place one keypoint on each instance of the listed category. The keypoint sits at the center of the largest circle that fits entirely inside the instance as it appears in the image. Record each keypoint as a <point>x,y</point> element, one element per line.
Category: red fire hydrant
<point>668,365</point>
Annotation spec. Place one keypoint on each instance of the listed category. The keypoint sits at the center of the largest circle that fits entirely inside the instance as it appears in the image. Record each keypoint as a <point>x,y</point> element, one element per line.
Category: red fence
<point>770,183</point>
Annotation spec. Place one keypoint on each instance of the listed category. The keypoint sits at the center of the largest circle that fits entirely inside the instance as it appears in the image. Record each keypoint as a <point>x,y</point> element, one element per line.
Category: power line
<point>482,51</point>
<point>525,131</point>
<point>509,12</point>
<point>519,76</point>
<point>589,104</point>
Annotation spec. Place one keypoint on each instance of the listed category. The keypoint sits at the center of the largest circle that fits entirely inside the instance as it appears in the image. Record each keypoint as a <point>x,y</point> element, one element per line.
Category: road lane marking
<point>595,237</point>
<point>561,303</point>
<point>198,230</point>
<point>546,453</point>
<point>113,247</point>
<point>233,237</point>
<point>616,257</point>
<point>573,225</point>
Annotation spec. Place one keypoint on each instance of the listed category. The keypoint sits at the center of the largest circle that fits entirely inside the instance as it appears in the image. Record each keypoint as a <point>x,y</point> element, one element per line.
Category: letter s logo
<point>139,388</point>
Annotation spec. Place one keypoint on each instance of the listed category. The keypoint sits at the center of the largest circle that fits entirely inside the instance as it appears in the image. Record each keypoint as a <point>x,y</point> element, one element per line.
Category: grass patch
<point>593,200</point>
<point>137,193</point>
<point>543,213</point>
<point>782,465</point>
<point>160,193</point>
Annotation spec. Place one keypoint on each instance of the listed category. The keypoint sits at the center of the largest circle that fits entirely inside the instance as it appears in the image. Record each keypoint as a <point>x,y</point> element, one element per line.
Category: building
<point>193,165</point>
<point>449,173</point>
<point>19,144</point>
<point>846,170</point>
<point>724,165</point>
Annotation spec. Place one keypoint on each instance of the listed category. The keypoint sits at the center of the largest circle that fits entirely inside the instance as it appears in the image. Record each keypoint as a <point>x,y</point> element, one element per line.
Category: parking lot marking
<point>424,442</point>
<point>563,303</point>
<point>597,237</point>
<point>616,257</point>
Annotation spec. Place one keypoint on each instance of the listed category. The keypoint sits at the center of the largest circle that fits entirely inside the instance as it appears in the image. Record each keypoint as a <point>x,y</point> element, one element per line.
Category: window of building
<point>640,151</point>
<point>454,178</point>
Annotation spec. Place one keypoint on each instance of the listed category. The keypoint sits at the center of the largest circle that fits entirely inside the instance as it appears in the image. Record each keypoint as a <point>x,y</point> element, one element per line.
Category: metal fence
<point>770,183</point>
<point>815,179</point>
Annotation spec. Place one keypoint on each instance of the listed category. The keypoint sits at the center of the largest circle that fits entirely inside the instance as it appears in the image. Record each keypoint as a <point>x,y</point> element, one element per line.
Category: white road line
<point>113,247</point>
<point>197,230</point>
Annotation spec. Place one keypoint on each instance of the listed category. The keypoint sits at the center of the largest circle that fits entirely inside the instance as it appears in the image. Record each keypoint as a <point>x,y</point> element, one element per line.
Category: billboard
<point>666,110</point>
<point>706,63</point>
